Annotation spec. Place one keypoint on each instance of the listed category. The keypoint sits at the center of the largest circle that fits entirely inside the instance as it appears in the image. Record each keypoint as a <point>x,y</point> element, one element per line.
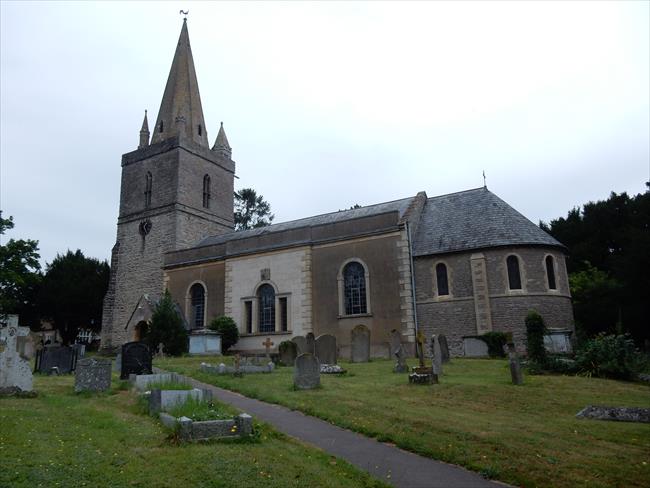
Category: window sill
<point>354,316</point>
<point>261,334</point>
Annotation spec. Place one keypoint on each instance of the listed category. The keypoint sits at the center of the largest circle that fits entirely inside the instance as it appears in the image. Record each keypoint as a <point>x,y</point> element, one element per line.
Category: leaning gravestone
<point>325,347</point>
<point>15,373</point>
<point>444,348</point>
<point>288,351</point>
<point>306,374</point>
<point>436,355</point>
<point>61,359</point>
<point>301,344</point>
<point>515,366</point>
<point>136,359</point>
<point>92,374</point>
<point>400,365</point>
<point>360,344</point>
<point>310,343</point>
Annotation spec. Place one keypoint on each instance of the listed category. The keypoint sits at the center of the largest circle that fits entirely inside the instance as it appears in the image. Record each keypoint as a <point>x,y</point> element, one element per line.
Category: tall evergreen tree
<point>251,210</point>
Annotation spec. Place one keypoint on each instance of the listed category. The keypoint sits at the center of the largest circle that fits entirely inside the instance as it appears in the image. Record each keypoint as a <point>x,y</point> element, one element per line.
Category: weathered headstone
<point>92,374</point>
<point>117,364</point>
<point>136,359</point>
<point>325,349</point>
<point>620,414</point>
<point>15,373</point>
<point>515,366</point>
<point>436,355</point>
<point>310,343</point>
<point>63,359</point>
<point>301,344</point>
<point>395,342</point>
<point>288,352</point>
<point>80,350</point>
<point>306,374</point>
<point>360,344</point>
<point>444,348</point>
<point>400,365</point>
<point>475,348</point>
<point>268,343</point>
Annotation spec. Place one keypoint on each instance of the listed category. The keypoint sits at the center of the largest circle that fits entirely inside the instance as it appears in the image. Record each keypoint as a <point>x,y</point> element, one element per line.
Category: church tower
<point>175,190</point>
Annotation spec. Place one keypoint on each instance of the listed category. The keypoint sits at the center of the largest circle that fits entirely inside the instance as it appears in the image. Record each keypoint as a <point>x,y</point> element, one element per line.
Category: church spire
<point>144,132</point>
<point>221,145</point>
<point>180,111</point>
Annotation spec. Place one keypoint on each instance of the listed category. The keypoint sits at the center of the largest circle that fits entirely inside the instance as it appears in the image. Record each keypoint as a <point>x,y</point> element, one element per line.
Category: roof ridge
<point>461,191</point>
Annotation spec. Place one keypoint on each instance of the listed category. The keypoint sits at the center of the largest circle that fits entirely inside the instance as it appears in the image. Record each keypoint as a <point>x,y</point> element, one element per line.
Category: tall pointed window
<point>197,297</point>
<point>514,275</point>
<point>354,288</point>
<point>147,189</point>
<point>441,279</point>
<point>550,272</point>
<point>266,297</point>
<point>206,191</point>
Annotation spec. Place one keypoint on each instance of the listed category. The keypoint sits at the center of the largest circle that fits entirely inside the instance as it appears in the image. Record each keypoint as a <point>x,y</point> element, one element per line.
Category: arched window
<point>550,272</point>
<point>514,276</point>
<point>160,126</point>
<point>206,191</point>
<point>197,296</point>
<point>441,278</point>
<point>354,288</point>
<point>266,297</point>
<point>147,189</point>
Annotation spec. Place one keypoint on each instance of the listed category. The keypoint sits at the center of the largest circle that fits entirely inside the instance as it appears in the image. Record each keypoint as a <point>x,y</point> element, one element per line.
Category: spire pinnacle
<point>181,100</point>
<point>144,132</point>
<point>221,144</point>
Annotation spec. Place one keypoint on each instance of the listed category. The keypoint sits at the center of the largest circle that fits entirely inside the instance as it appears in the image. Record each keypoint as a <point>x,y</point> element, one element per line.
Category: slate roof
<point>474,219</point>
<point>396,205</point>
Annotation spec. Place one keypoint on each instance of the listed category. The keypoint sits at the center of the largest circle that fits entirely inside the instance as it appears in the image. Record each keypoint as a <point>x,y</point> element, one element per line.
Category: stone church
<point>461,264</point>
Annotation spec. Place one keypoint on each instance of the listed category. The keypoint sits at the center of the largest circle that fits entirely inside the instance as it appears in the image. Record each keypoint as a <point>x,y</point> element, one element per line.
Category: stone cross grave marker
<point>420,347</point>
<point>310,343</point>
<point>306,374</point>
<point>360,344</point>
<point>136,359</point>
<point>515,366</point>
<point>15,372</point>
<point>301,344</point>
<point>436,355</point>
<point>288,352</point>
<point>92,374</point>
<point>325,347</point>
<point>267,345</point>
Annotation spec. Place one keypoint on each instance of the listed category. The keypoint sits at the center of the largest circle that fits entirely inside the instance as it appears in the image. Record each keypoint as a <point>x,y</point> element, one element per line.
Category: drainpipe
<point>415,310</point>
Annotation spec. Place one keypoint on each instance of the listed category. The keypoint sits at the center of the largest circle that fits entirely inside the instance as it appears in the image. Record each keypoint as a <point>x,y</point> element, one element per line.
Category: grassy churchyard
<point>524,435</point>
<point>60,438</point>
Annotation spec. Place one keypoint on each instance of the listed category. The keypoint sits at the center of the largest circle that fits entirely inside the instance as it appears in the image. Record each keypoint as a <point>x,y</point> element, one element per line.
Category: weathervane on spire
<point>184,12</point>
<point>484,180</point>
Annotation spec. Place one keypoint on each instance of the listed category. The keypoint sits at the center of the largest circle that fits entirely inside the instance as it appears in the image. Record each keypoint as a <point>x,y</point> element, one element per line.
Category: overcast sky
<point>327,104</point>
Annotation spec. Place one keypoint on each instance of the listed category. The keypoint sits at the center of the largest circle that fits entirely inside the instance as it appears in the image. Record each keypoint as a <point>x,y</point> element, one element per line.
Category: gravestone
<point>325,349</point>
<point>400,365</point>
<point>395,342</point>
<point>444,348</point>
<point>301,344</point>
<point>310,343</point>
<point>80,349</point>
<point>136,359</point>
<point>268,343</point>
<point>360,345</point>
<point>92,374</point>
<point>475,348</point>
<point>515,366</point>
<point>117,364</point>
<point>620,414</point>
<point>436,355</point>
<point>306,374</point>
<point>15,372</point>
<point>62,359</point>
<point>288,352</point>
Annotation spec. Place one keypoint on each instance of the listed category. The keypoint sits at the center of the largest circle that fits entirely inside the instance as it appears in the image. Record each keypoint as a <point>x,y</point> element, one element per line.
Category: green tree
<point>612,236</point>
<point>251,210</point>
<point>166,327</point>
<point>20,276</point>
<point>227,327</point>
<point>72,293</point>
<point>535,330</point>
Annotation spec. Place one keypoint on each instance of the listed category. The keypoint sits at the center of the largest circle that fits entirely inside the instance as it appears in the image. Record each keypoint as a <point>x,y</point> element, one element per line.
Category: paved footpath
<point>384,461</point>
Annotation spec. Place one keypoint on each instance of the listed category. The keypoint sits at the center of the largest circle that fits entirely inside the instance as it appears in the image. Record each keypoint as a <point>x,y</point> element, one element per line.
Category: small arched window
<point>160,126</point>
<point>266,297</point>
<point>147,189</point>
<point>514,276</point>
<point>200,130</point>
<point>550,272</point>
<point>197,297</point>
<point>354,288</point>
<point>441,279</point>
<point>206,191</point>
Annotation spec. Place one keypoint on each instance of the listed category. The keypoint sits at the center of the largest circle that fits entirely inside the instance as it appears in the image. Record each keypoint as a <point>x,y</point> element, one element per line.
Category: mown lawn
<point>524,435</point>
<point>103,440</point>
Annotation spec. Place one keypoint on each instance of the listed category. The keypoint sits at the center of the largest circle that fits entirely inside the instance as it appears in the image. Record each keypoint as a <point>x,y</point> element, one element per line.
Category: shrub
<point>610,356</point>
<point>227,327</point>
<point>167,328</point>
<point>535,330</point>
<point>495,342</point>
